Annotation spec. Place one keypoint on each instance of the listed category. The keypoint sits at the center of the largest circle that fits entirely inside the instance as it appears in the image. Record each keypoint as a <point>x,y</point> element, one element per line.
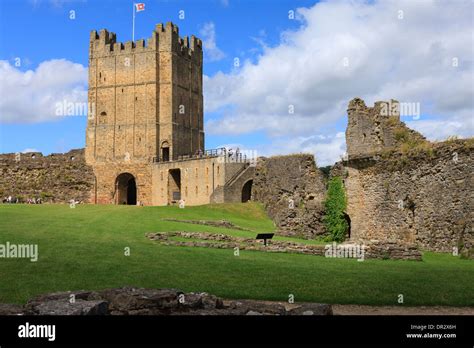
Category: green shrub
<point>335,205</point>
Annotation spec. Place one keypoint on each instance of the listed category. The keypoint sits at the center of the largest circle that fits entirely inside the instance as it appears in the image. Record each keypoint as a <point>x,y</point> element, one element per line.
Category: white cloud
<point>31,96</point>
<point>29,150</point>
<point>440,130</point>
<point>409,59</point>
<point>208,36</point>
<point>326,148</point>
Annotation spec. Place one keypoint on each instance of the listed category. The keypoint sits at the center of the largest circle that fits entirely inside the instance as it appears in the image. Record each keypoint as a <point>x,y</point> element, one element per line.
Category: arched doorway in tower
<point>165,151</point>
<point>126,189</point>
<point>247,191</point>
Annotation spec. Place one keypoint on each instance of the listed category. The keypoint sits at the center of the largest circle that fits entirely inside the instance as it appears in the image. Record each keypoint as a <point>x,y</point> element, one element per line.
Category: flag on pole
<point>136,8</point>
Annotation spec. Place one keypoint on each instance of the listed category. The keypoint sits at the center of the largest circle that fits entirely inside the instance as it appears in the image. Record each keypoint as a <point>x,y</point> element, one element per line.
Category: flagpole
<point>133,25</point>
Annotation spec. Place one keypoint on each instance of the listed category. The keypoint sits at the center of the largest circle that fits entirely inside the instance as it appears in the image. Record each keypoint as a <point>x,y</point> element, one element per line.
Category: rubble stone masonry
<point>56,178</point>
<point>407,190</point>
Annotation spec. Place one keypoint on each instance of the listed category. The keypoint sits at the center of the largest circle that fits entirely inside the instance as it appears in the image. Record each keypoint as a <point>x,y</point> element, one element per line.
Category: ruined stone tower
<point>148,106</point>
<point>403,189</point>
<point>373,129</point>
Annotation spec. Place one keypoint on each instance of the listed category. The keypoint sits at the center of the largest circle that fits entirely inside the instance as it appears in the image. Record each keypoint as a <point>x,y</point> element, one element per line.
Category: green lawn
<point>83,248</point>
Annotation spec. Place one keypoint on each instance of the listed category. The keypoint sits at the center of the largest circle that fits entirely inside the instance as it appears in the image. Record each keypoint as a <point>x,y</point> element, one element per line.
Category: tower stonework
<point>374,129</point>
<point>145,129</point>
<point>147,107</point>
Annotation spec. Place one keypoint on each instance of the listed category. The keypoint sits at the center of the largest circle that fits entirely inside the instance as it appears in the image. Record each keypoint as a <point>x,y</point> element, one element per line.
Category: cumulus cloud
<point>439,130</point>
<point>325,147</point>
<point>29,150</point>
<point>208,36</point>
<point>413,51</point>
<point>33,95</point>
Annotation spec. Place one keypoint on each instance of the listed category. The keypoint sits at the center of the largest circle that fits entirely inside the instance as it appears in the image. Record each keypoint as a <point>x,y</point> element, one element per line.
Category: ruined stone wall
<point>140,301</point>
<point>400,187</point>
<point>280,179</point>
<point>374,129</point>
<point>56,178</point>
<point>425,196</point>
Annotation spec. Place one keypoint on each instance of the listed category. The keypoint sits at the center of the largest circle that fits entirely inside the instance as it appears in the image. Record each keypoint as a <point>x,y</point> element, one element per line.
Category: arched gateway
<point>125,189</point>
<point>247,191</point>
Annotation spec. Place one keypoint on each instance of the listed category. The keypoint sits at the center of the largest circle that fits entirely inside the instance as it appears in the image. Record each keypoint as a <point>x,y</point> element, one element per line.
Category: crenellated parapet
<point>165,38</point>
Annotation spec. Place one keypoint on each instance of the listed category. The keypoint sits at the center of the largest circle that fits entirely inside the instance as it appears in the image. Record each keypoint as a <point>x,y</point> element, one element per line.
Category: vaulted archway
<point>125,189</point>
<point>247,191</point>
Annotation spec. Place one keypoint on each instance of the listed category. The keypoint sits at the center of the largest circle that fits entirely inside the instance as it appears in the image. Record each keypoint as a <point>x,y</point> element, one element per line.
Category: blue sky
<point>283,62</point>
<point>37,31</point>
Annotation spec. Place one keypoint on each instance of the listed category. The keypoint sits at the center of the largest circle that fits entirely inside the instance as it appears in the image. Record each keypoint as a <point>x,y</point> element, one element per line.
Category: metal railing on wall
<point>228,155</point>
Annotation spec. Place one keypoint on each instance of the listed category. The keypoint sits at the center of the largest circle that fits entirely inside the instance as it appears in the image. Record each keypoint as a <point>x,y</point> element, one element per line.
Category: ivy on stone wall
<point>335,205</point>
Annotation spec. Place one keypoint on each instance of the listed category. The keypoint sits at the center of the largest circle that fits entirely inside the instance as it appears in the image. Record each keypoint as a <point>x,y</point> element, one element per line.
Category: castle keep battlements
<point>164,38</point>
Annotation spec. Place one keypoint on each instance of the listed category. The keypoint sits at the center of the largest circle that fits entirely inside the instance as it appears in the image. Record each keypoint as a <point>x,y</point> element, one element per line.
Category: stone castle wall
<point>198,178</point>
<point>56,178</point>
<point>280,179</point>
<point>425,198</point>
<point>403,189</point>
<point>107,174</point>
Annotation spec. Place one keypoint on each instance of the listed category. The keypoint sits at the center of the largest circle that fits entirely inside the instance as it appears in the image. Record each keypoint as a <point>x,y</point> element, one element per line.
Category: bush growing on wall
<point>335,205</point>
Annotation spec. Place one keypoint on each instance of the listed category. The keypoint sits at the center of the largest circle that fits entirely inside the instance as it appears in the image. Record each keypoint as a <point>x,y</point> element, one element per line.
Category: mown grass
<point>83,248</point>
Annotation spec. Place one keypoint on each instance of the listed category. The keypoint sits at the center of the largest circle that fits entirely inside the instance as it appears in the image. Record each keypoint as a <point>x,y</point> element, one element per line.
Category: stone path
<point>399,310</point>
<point>338,309</point>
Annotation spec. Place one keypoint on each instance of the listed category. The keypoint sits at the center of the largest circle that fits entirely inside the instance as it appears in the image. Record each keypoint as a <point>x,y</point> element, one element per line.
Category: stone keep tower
<point>148,107</point>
